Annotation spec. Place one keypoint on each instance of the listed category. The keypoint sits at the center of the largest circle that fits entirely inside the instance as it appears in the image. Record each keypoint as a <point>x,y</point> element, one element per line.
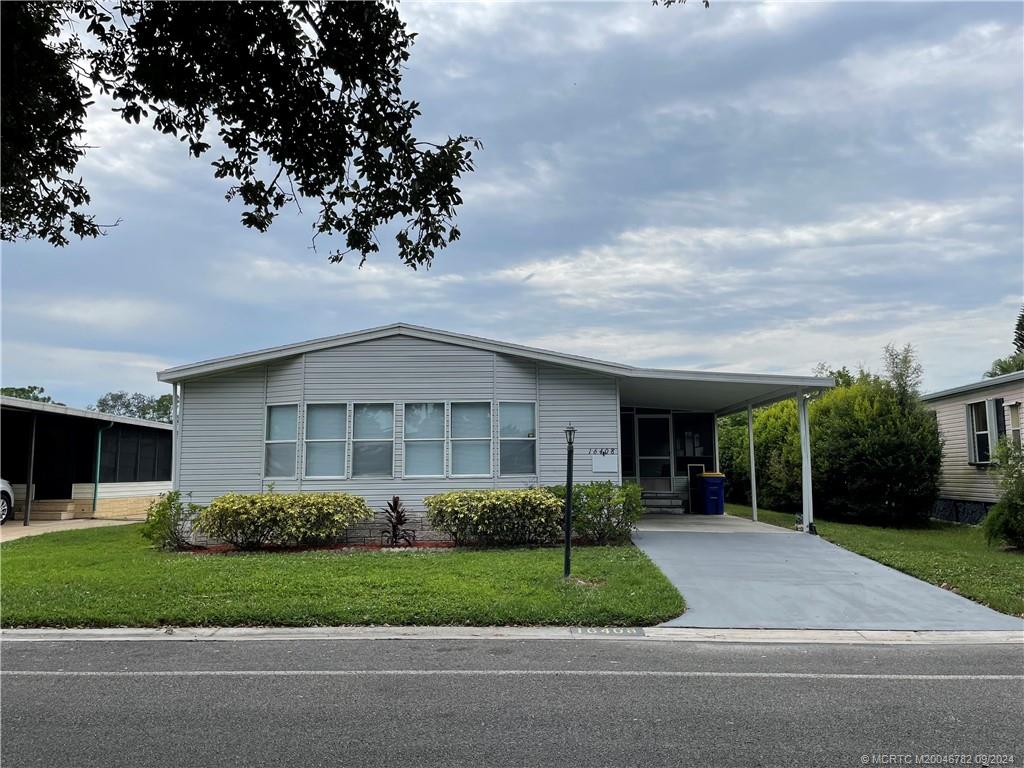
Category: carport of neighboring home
<point>736,573</point>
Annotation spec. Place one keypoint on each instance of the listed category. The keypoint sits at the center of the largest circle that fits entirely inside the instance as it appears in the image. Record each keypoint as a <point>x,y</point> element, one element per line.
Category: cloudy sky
<point>747,188</point>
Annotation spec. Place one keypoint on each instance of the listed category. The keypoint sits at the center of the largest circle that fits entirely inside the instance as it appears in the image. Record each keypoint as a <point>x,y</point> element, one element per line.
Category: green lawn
<point>952,556</point>
<point>110,577</point>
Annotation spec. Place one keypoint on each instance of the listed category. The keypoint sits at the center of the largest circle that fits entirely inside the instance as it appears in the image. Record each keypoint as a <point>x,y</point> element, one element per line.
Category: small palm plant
<point>398,518</point>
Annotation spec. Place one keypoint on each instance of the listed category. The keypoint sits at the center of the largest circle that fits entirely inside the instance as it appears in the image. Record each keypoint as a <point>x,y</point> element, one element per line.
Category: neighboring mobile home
<point>82,463</point>
<point>972,419</point>
<point>412,411</point>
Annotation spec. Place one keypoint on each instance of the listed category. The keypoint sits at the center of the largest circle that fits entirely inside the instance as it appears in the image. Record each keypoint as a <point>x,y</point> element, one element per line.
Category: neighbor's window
<point>424,439</point>
<point>470,432</point>
<point>373,436</point>
<point>1015,423</point>
<point>979,447</point>
<point>325,439</point>
<point>279,458</point>
<point>518,433</point>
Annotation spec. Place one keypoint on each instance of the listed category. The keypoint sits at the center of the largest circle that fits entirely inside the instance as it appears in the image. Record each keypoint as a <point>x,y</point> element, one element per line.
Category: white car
<point>6,501</point>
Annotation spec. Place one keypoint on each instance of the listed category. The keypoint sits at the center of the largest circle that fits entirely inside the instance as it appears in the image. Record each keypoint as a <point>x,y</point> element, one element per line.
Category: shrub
<point>168,521</point>
<point>1005,521</point>
<point>603,512</point>
<point>529,516</point>
<point>877,454</point>
<point>255,520</point>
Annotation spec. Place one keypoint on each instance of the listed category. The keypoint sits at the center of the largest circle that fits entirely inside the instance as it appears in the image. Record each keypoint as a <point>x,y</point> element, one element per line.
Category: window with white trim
<point>517,433</point>
<point>978,433</point>
<point>424,439</point>
<point>326,432</point>
<point>470,439</point>
<point>373,439</point>
<point>280,440</point>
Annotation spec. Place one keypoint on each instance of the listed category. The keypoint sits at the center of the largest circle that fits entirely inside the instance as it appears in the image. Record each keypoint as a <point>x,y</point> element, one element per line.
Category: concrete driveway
<point>740,574</point>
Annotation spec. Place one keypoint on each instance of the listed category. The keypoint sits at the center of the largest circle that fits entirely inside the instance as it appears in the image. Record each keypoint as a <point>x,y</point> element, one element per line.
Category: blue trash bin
<point>713,493</point>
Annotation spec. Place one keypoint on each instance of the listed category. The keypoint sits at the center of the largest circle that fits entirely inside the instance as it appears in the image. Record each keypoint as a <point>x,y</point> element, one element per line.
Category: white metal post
<point>753,470</point>
<point>175,435</point>
<point>805,462</point>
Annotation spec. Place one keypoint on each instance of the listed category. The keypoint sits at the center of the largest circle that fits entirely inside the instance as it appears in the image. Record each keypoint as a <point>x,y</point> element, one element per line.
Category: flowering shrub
<point>255,520</point>
<point>530,516</point>
<point>603,512</point>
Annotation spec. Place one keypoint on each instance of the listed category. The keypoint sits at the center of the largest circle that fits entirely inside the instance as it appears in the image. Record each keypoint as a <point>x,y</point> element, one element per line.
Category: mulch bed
<point>229,549</point>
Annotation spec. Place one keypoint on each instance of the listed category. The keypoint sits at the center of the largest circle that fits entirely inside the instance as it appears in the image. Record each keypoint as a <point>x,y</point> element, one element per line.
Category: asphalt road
<point>585,702</point>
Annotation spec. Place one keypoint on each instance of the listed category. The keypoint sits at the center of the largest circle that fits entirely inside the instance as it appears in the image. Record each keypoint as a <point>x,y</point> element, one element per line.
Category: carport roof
<point>719,392</point>
<point>62,410</point>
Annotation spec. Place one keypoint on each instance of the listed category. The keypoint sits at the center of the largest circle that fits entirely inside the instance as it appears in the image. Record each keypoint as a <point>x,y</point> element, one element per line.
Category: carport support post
<point>31,471</point>
<point>753,471</point>
<point>805,462</point>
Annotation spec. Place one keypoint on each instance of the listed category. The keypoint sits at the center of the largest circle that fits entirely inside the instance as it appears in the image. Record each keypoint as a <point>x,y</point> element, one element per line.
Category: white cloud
<point>948,343</point>
<point>762,266</point>
<point>75,369</point>
<point>116,315</point>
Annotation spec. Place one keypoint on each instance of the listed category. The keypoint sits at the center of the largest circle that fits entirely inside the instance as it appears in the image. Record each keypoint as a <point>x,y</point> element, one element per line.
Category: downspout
<point>96,475</point>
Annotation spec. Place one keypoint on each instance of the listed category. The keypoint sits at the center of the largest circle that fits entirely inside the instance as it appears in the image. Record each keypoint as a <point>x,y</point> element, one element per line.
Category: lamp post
<point>570,436</point>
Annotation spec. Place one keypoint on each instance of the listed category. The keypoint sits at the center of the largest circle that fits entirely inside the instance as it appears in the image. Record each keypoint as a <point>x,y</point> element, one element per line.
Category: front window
<point>470,431</point>
<point>279,442</point>
<point>518,433</point>
<point>1015,424</point>
<point>373,439</point>
<point>424,439</point>
<point>325,439</point>
<point>978,433</point>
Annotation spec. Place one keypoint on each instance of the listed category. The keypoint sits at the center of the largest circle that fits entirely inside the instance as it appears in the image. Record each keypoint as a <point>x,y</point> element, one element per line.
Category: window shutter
<point>1000,421</point>
<point>972,455</point>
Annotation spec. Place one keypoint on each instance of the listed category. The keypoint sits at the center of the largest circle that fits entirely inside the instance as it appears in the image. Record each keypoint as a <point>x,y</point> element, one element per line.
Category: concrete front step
<point>47,510</point>
<point>663,503</point>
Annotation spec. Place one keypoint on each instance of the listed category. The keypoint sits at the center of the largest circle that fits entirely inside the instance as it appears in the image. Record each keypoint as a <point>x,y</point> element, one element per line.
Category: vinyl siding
<point>221,433</point>
<point>960,480</point>
<point>120,490</point>
<point>223,416</point>
<point>590,402</point>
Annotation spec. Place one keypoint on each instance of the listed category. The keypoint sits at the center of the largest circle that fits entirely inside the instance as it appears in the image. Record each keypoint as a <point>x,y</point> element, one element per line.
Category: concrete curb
<point>618,634</point>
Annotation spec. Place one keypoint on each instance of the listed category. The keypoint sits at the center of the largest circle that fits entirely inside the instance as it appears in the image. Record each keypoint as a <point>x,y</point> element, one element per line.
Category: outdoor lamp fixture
<point>570,437</point>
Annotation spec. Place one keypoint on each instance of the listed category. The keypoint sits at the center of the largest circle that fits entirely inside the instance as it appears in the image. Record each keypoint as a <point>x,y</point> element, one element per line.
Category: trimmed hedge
<point>528,516</point>
<point>603,512</point>
<point>255,520</point>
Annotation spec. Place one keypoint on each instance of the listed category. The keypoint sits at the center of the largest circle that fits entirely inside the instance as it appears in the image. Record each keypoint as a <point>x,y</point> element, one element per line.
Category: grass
<point>951,556</point>
<point>106,577</point>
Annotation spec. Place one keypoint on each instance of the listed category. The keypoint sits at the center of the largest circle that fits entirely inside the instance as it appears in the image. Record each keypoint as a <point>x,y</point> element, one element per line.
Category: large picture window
<point>280,440</point>
<point>326,431</point>
<point>471,439</point>
<point>424,439</point>
<point>518,438</point>
<point>373,439</point>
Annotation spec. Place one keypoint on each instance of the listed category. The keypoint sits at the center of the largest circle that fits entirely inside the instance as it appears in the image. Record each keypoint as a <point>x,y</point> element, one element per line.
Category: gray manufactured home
<point>972,419</point>
<point>410,411</point>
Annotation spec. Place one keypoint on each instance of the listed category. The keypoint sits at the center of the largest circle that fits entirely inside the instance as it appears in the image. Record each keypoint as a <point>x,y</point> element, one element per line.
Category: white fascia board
<point>206,367</point>
<point>63,410</point>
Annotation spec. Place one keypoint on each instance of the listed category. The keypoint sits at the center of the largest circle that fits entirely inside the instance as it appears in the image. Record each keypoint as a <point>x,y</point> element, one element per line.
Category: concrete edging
<point>617,634</point>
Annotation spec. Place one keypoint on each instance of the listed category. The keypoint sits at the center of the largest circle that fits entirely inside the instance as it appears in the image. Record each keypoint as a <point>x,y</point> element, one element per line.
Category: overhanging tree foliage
<point>1014,362</point>
<point>305,98</point>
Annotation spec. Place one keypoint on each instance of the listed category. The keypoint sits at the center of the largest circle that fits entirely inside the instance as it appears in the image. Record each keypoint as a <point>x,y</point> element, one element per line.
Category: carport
<point>66,463</point>
<point>683,398</point>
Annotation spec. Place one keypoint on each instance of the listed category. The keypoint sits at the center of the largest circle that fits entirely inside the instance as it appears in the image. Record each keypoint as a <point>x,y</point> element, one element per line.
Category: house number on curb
<point>607,631</point>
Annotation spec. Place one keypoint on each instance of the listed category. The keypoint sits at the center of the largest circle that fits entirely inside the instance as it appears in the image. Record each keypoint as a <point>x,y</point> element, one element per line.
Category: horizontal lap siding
<point>590,402</point>
<point>960,480</point>
<point>398,370</point>
<point>223,416</point>
<point>221,434</point>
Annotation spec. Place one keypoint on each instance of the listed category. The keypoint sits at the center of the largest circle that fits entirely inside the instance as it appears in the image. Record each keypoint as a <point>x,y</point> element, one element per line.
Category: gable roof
<point>977,386</point>
<point>767,387</point>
